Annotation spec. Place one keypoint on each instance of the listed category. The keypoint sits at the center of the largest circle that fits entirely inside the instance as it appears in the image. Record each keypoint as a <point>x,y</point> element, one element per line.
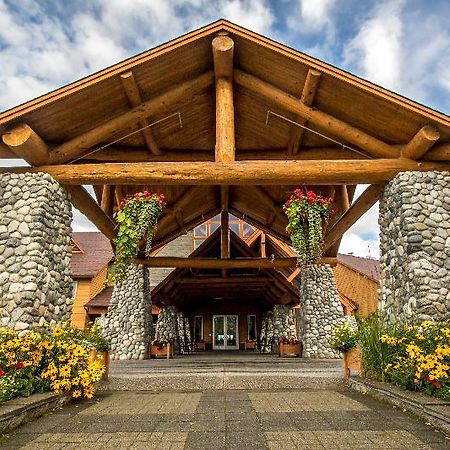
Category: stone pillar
<point>128,320</point>
<point>266,337</point>
<point>320,311</point>
<point>166,327</point>
<point>415,247</point>
<point>283,324</point>
<point>35,280</point>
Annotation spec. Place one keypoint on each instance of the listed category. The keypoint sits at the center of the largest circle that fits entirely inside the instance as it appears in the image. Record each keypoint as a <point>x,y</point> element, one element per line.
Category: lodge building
<point>227,124</point>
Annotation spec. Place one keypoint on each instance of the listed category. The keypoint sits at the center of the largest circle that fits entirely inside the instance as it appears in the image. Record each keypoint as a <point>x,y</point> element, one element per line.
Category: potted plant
<point>137,218</point>
<point>99,347</point>
<point>306,212</point>
<point>344,340</point>
<point>289,347</point>
<point>161,347</point>
<point>199,345</point>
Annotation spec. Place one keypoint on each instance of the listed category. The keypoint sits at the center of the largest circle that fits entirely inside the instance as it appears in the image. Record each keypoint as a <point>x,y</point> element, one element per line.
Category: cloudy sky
<point>403,45</point>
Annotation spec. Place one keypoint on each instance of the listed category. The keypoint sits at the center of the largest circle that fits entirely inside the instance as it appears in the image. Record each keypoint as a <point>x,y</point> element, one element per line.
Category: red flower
<point>436,384</point>
<point>427,378</point>
<point>19,365</point>
<point>2,372</point>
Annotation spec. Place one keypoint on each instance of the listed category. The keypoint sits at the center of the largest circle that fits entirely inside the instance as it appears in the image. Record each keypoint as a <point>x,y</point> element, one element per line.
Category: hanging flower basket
<point>306,212</point>
<point>137,218</point>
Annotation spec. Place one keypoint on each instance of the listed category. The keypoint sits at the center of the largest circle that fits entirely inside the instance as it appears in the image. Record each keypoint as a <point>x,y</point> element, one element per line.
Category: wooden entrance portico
<point>216,120</point>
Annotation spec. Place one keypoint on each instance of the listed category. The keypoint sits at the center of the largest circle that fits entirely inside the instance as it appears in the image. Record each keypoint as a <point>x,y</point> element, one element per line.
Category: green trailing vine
<point>306,212</point>
<point>137,218</point>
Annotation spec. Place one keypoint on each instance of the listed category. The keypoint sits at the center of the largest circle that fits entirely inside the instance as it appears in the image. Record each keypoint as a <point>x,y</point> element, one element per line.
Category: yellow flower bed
<point>419,357</point>
<point>53,359</point>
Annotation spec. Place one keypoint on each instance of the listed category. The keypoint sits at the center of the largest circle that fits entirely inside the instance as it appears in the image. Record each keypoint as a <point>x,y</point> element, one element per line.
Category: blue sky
<point>403,45</point>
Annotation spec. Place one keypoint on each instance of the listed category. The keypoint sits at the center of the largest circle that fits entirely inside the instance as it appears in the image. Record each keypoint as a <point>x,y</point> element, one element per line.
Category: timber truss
<point>223,120</point>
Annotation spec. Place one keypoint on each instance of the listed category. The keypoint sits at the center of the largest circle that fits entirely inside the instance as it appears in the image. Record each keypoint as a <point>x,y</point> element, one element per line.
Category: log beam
<point>107,199</point>
<point>237,173</point>
<point>81,199</point>
<point>362,204</point>
<point>328,124</point>
<point>215,263</point>
<point>438,153</point>
<point>307,98</point>
<point>184,92</point>
<point>423,140</point>
<point>224,235</point>
<point>134,97</point>
<point>224,197</point>
<point>223,49</point>
<point>24,142</point>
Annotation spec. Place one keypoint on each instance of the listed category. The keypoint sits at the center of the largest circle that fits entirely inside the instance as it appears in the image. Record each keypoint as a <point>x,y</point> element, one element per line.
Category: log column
<point>415,247</point>
<point>223,49</point>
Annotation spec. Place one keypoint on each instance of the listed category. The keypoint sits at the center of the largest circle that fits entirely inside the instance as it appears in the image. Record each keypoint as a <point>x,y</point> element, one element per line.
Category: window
<point>74,289</point>
<point>238,226</point>
<point>198,328</point>
<point>251,328</point>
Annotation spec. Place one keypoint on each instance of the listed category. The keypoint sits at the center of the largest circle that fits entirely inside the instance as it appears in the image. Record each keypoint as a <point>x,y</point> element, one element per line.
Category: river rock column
<point>128,321</point>
<point>166,327</point>
<point>35,280</point>
<point>320,311</point>
<point>415,247</point>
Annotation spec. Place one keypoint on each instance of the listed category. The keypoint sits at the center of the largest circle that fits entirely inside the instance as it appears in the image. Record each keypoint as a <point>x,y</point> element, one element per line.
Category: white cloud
<point>376,50</point>
<point>362,239</point>
<point>315,14</point>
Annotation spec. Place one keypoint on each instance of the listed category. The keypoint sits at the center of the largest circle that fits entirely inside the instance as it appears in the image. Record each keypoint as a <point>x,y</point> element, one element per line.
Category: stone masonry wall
<point>35,280</point>
<point>415,247</point>
<point>128,320</point>
<point>320,311</point>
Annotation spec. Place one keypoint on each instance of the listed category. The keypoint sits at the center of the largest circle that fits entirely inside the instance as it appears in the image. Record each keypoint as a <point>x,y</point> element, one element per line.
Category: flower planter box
<point>104,358</point>
<point>250,345</point>
<point>352,362</point>
<point>199,346</point>
<point>164,351</point>
<point>290,349</point>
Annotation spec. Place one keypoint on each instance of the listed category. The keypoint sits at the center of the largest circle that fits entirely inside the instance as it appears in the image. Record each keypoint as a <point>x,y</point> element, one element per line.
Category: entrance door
<point>225,333</point>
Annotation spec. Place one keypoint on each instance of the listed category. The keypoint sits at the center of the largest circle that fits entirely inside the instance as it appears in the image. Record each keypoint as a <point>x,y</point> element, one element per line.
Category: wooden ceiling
<point>208,118</point>
<point>182,286</point>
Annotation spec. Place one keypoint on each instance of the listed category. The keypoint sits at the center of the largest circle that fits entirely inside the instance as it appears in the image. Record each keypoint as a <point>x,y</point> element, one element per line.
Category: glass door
<point>225,333</point>
<point>218,332</point>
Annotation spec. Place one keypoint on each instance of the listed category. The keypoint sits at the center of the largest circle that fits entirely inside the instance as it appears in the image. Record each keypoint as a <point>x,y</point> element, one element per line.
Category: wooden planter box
<point>199,346</point>
<point>290,349</point>
<point>104,358</point>
<point>352,362</point>
<point>249,345</point>
<point>165,351</point>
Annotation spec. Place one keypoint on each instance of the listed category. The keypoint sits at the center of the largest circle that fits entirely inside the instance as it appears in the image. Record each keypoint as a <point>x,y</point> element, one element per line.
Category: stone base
<point>320,311</point>
<point>127,322</point>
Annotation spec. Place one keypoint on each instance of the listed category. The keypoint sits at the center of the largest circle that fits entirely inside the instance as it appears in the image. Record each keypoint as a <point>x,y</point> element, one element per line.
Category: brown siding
<point>357,287</point>
<point>81,298</point>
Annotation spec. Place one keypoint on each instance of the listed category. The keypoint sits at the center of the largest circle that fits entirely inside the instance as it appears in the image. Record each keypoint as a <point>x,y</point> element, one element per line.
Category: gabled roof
<point>365,266</point>
<point>96,253</point>
<point>268,284</point>
<point>185,129</point>
<point>190,55</point>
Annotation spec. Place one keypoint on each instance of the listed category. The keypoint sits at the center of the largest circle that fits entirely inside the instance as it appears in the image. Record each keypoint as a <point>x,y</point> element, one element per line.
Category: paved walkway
<point>223,370</point>
<point>227,419</point>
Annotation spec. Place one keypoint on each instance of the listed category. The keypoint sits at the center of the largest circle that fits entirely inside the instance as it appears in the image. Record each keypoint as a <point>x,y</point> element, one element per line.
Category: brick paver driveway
<point>288,419</point>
